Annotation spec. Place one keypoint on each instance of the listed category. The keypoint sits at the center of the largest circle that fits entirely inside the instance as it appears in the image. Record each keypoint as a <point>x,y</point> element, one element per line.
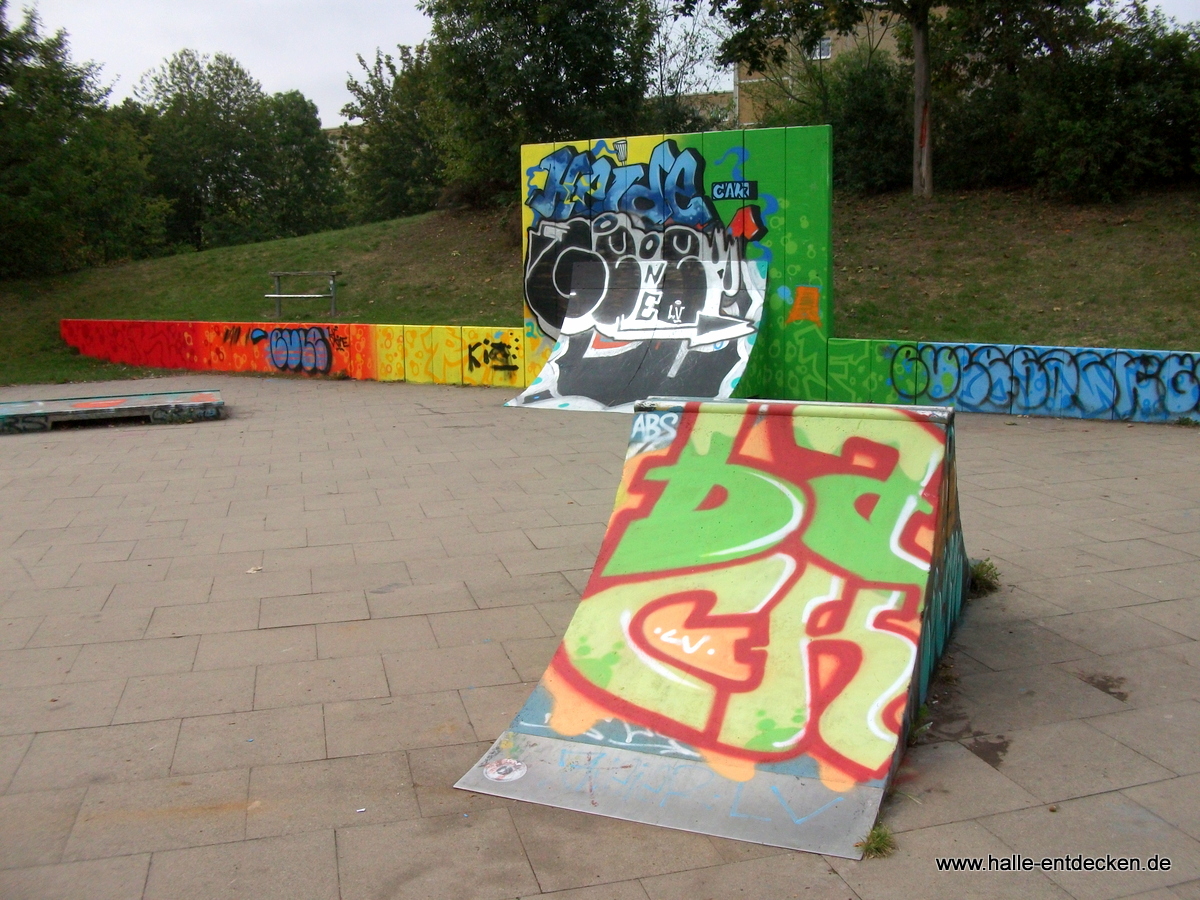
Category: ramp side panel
<point>756,612</point>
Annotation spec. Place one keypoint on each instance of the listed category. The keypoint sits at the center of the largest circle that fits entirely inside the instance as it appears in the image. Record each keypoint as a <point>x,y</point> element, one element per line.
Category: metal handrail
<point>278,296</point>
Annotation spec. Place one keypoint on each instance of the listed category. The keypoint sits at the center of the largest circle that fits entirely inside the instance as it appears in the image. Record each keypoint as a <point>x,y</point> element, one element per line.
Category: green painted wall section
<point>790,355</point>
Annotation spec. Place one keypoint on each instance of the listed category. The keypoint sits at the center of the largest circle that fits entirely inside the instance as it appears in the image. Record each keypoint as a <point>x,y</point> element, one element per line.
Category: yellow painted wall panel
<point>418,353</point>
<point>389,352</point>
<point>433,354</point>
<point>493,356</point>
<point>447,361</point>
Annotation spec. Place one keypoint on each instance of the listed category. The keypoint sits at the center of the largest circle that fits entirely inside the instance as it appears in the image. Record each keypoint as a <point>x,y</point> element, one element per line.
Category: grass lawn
<point>984,266</point>
<point>999,267</point>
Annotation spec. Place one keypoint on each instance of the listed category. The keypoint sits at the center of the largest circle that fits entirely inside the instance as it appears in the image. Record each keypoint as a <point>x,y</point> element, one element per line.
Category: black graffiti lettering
<point>339,340</point>
<point>696,285</point>
<point>496,354</point>
<point>500,357</point>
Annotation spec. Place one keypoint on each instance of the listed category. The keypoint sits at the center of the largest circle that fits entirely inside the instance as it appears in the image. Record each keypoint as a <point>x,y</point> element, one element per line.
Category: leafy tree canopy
<point>394,160</point>
<point>73,184</point>
<point>522,71</point>
<point>236,164</point>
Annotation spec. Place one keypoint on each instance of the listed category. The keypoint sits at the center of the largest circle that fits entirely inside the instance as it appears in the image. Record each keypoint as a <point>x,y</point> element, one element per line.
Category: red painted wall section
<point>165,345</point>
<point>301,348</point>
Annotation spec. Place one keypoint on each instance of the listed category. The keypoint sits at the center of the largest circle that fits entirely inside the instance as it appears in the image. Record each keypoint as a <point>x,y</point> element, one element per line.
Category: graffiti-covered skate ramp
<point>175,406</point>
<point>646,261</point>
<point>774,589</point>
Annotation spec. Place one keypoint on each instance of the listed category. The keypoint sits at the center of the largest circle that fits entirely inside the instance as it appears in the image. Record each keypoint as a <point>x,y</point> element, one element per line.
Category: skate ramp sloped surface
<point>774,589</point>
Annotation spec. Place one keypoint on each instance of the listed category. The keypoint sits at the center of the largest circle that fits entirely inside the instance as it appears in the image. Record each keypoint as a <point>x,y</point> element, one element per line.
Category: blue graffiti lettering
<point>734,190</point>
<point>1082,382</point>
<point>669,190</point>
<point>296,349</point>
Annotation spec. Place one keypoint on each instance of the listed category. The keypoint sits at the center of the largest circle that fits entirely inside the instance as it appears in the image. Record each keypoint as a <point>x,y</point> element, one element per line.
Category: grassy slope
<point>1007,268</point>
<point>985,266</point>
<point>430,269</point>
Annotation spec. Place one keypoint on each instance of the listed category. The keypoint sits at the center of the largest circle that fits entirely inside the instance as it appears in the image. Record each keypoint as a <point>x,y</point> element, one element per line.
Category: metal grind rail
<point>279,296</point>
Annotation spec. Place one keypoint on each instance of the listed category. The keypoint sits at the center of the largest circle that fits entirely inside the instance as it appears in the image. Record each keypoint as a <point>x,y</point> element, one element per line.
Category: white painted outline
<point>836,584</point>
<point>875,713</point>
<point>780,533</point>
<point>789,567</point>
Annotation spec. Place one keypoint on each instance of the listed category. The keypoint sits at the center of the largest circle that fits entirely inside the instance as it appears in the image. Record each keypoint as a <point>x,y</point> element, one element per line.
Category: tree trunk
<point>922,158</point>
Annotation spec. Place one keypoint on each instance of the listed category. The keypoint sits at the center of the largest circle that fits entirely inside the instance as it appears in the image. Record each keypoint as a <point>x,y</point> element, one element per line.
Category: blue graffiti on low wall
<point>296,349</point>
<point>1081,382</point>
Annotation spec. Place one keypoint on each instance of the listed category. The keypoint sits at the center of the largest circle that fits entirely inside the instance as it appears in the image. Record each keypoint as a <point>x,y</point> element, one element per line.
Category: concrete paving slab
<point>1101,825</point>
<point>1164,733</point>
<point>945,782</point>
<point>241,740</point>
<point>34,828</point>
<point>89,756</point>
<point>476,856</point>
<point>911,871</point>
<point>772,876</point>
<point>330,793</point>
<point>1064,760</point>
<point>449,668</point>
<point>159,814</point>
<point>115,878</point>
<point>294,867</point>
<point>174,696</point>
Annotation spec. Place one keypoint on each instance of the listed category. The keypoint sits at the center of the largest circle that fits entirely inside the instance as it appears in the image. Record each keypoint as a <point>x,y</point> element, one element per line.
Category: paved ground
<point>247,659</point>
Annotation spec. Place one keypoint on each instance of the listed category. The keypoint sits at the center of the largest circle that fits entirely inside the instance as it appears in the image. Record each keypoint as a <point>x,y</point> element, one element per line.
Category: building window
<point>823,50</point>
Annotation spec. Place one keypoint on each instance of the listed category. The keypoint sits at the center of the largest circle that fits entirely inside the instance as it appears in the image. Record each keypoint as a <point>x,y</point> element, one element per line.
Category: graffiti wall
<point>1079,382</point>
<point>754,622</point>
<point>650,263</point>
<point>429,354</point>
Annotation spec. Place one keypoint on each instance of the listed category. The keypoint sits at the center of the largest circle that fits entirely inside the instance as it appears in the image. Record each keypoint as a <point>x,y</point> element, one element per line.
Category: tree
<point>1085,102</point>
<point>681,70</point>
<point>73,183</point>
<point>237,165</point>
<point>762,33</point>
<point>206,129</point>
<point>394,162</point>
<point>303,181</point>
<point>521,71</point>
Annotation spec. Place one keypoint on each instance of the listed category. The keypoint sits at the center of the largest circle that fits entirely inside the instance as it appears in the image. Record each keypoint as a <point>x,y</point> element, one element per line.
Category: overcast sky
<point>305,45</point>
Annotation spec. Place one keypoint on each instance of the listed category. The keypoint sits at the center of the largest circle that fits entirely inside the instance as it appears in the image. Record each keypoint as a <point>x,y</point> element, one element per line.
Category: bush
<point>1116,117</point>
<point>1091,106</point>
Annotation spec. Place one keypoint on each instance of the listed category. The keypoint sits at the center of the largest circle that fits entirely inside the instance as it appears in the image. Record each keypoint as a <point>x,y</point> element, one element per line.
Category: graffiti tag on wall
<point>1057,381</point>
<point>631,267</point>
<point>309,350</point>
<point>637,251</point>
<point>758,596</point>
